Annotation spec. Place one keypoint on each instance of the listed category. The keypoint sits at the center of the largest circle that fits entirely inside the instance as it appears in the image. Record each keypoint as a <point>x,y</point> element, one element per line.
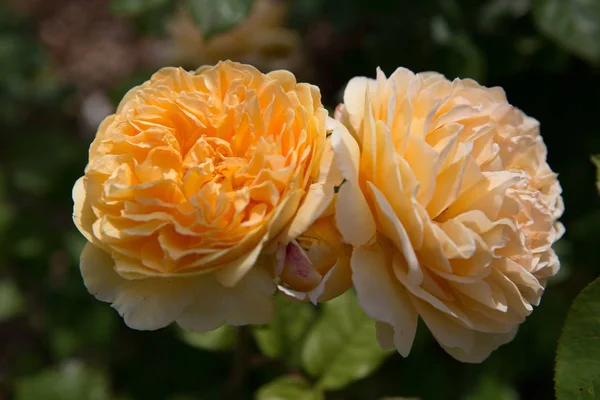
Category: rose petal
<point>382,297</point>
<point>317,200</point>
<point>99,276</point>
<point>83,215</point>
<point>460,342</point>
<point>144,304</point>
<point>353,217</point>
<point>250,302</point>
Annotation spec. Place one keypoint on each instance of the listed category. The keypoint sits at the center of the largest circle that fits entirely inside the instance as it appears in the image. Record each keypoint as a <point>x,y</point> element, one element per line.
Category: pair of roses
<point>208,191</point>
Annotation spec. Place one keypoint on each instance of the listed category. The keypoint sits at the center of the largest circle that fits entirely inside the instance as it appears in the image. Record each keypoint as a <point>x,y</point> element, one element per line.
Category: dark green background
<point>58,342</point>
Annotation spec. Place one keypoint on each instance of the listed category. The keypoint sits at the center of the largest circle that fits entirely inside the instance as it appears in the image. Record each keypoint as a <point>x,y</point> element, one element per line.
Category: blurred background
<point>65,64</point>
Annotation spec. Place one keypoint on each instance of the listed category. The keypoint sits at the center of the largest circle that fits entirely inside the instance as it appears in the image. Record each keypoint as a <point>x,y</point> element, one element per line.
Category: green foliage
<point>26,176</point>
<point>464,57</point>
<point>70,381</point>
<point>596,161</point>
<point>288,387</point>
<point>342,346</point>
<point>150,17</point>
<point>491,388</point>
<point>5,209</point>
<point>26,76</point>
<point>575,24</point>
<point>130,8</point>
<point>96,327</point>
<point>578,355</point>
<point>282,337</point>
<point>399,398</point>
<point>335,348</point>
<point>221,339</point>
<point>11,300</point>
<point>214,17</point>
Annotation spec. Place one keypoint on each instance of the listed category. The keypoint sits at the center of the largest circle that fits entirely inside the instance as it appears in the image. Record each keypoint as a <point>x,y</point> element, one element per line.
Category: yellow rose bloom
<point>190,183</point>
<point>450,206</point>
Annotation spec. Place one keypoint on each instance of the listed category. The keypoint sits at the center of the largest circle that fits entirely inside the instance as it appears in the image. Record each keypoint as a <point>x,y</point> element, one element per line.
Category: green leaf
<point>73,243</point>
<point>96,327</point>
<point>342,346</point>
<point>399,398</point>
<point>6,211</point>
<point>70,381</point>
<point>596,161</point>
<point>218,16</point>
<point>459,55</point>
<point>490,387</point>
<point>11,300</point>
<point>129,8</point>
<point>578,355</point>
<point>182,397</point>
<point>574,24</point>
<point>494,13</point>
<point>282,336</point>
<point>288,387</point>
<point>22,170</point>
<point>469,61</point>
<point>218,340</point>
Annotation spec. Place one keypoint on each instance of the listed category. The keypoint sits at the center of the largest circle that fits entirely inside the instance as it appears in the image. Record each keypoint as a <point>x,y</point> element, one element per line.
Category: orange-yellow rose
<point>195,178</point>
<point>450,206</point>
